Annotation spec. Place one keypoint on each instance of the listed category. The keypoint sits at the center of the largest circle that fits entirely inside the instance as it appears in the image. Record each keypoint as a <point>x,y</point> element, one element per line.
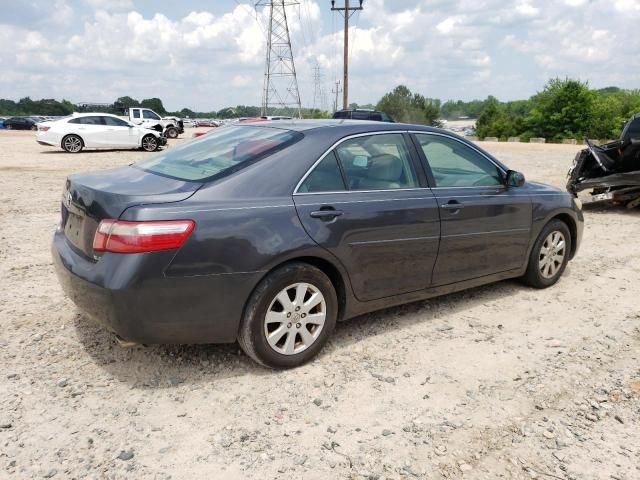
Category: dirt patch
<point>500,381</point>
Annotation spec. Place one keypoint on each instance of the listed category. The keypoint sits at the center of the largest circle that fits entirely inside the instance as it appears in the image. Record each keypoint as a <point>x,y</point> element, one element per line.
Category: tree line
<point>564,108</point>
<point>50,107</point>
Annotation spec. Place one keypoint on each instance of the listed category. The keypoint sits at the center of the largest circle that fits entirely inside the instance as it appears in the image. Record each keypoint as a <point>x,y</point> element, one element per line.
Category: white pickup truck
<point>145,117</point>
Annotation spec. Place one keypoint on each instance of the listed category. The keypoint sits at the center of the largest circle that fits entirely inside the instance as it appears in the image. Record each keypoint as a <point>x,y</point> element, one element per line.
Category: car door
<point>119,133</point>
<point>485,226</point>
<point>367,203</point>
<point>92,130</point>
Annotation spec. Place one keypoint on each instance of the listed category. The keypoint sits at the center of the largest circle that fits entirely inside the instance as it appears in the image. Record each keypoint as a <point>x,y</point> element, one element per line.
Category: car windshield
<point>220,152</point>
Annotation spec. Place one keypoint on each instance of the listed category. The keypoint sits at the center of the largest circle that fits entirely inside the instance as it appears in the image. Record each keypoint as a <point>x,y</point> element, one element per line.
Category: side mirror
<point>515,179</point>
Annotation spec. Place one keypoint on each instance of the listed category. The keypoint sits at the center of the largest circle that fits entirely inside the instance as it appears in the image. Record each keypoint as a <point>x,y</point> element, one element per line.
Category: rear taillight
<point>118,236</point>
<point>43,129</point>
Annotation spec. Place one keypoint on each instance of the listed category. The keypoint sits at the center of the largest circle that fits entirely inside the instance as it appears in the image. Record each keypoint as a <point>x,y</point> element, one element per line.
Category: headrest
<point>385,167</point>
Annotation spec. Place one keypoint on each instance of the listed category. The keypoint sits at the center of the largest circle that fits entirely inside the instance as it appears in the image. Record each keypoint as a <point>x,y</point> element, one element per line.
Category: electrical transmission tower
<point>280,82</point>
<point>319,100</point>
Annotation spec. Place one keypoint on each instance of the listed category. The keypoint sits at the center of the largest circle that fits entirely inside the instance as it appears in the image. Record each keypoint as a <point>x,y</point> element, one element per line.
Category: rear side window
<point>377,162</point>
<point>136,114</point>
<point>341,115</point>
<point>221,152</point>
<point>326,177</point>
<point>87,120</point>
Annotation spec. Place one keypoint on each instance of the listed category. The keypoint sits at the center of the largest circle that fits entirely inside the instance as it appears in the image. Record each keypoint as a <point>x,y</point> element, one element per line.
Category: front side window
<point>220,152</point>
<point>377,162</point>
<point>325,177</point>
<point>114,122</point>
<point>454,164</point>
<point>148,114</point>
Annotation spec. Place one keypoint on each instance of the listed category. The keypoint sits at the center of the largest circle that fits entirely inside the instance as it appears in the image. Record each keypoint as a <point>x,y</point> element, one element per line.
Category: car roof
<point>93,114</point>
<point>354,126</point>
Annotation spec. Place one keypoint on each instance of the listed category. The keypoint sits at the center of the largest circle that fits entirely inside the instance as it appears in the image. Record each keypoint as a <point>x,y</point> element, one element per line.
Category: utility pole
<point>280,88</point>
<point>347,13</point>
<point>336,91</point>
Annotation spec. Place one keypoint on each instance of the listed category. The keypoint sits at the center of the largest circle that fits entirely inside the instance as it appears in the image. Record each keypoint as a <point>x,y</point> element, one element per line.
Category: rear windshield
<point>220,152</point>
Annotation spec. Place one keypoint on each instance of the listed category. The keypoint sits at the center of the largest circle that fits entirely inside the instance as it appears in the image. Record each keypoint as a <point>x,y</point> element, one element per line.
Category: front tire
<point>149,143</point>
<point>549,256</point>
<point>289,316</point>
<point>72,144</point>
<point>172,132</point>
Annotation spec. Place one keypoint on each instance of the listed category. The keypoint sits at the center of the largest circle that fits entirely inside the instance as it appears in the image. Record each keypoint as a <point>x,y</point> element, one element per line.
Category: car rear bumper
<point>130,295</point>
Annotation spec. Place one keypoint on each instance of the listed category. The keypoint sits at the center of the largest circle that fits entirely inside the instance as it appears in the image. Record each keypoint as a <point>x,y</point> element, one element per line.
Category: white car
<point>97,130</point>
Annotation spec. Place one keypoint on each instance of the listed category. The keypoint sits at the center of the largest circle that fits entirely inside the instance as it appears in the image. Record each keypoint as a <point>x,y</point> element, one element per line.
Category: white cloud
<point>97,50</point>
<point>447,25</point>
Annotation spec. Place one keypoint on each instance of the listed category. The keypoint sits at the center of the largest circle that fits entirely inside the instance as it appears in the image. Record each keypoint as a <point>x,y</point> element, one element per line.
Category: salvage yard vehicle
<point>97,130</point>
<point>145,117</point>
<point>269,233</point>
<point>20,123</point>
<point>610,171</point>
<point>362,114</point>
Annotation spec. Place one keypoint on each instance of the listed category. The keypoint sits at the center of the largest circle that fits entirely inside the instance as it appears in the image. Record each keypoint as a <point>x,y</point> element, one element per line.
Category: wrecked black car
<point>610,171</point>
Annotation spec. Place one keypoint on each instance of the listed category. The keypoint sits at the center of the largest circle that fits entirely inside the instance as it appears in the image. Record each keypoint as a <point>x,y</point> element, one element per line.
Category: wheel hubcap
<point>295,318</point>
<point>552,254</point>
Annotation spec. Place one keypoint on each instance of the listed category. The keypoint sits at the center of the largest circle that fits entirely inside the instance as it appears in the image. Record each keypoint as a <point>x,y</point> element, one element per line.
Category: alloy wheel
<point>552,254</point>
<point>295,318</point>
<point>72,144</point>
<point>149,143</point>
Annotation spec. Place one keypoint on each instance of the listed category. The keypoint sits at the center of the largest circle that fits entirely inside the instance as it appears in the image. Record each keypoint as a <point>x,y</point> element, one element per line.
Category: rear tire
<point>289,316</point>
<point>549,255</point>
<point>172,132</point>
<point>149,143</point>
<point>72,144</point>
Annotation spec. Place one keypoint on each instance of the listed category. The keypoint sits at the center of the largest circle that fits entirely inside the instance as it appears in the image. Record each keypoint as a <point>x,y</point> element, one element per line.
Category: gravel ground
<point>500,381</point>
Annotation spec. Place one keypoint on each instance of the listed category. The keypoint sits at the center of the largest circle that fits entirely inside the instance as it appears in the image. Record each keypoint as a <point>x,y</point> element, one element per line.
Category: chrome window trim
<point>470,145</point>
<point>334,192</point>
<point>386,132</point>
<point>330,149</point>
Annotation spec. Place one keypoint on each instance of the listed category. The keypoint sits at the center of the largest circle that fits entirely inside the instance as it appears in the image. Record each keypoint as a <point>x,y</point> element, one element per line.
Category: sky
<point>206,55</point>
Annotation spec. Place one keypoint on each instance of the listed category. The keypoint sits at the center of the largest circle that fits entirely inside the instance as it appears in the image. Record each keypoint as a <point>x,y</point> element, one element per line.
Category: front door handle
<point>326,214</point>
<point>452,205</point>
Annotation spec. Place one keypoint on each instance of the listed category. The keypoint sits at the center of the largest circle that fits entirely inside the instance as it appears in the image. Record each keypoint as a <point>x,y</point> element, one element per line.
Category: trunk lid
<point>91,197</point>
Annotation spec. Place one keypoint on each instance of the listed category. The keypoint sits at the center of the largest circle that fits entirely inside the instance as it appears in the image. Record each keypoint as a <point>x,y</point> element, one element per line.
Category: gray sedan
<point>269,233</point>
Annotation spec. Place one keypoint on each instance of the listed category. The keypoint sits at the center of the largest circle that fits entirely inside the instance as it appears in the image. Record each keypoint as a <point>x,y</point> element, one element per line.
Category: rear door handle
<point>452,205</point>
<point>326,214</point>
